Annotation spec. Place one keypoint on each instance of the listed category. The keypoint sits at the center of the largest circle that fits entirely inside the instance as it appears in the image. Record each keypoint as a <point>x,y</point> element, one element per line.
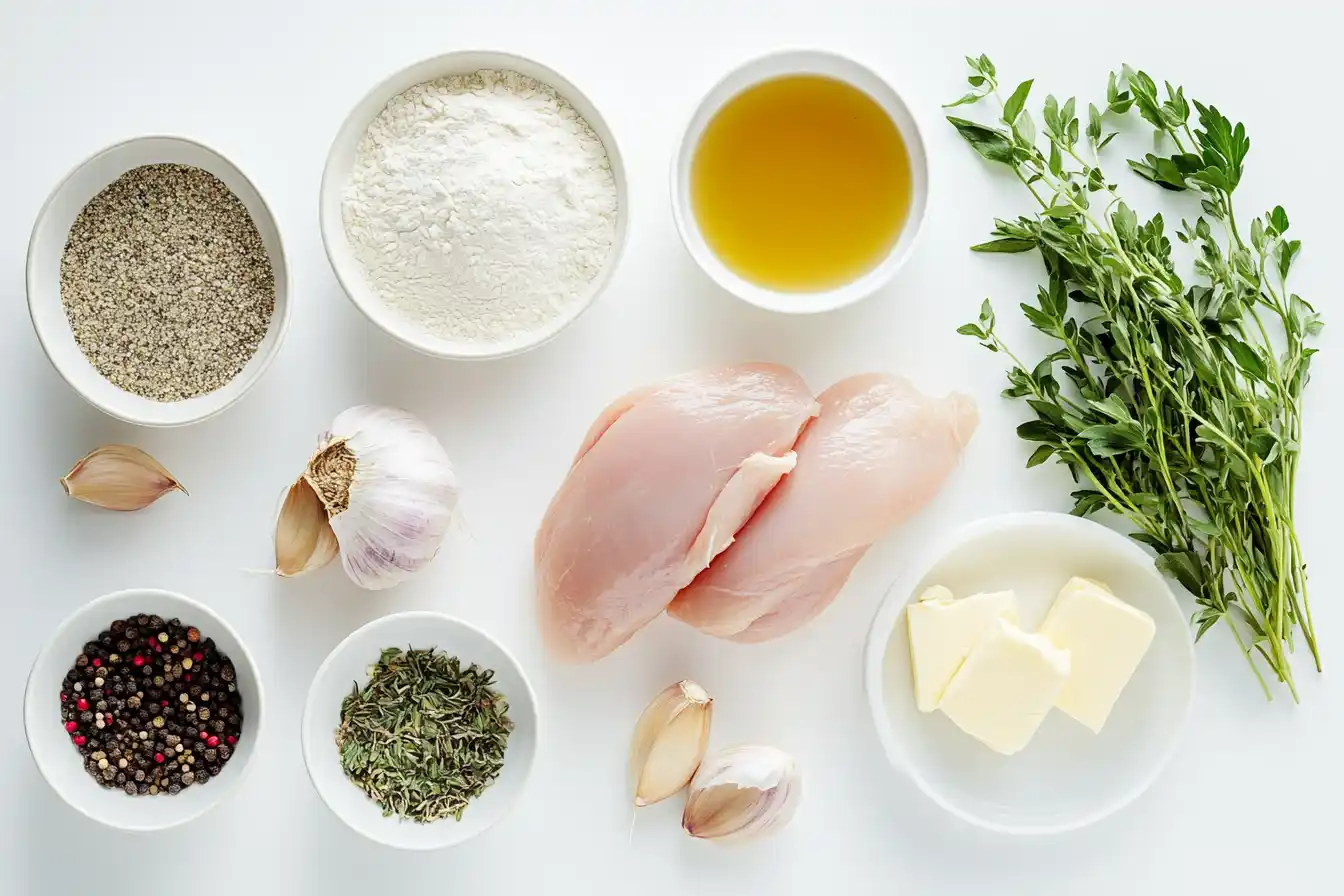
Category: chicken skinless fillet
<point>664,479</point>
<point>878,452</point>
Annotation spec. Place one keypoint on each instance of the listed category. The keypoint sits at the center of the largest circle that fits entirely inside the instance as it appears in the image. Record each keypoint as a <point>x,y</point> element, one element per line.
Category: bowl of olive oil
<point>801,182</point>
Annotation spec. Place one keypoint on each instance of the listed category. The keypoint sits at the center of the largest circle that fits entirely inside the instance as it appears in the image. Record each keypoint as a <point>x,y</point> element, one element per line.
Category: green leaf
<point>964,100</point>
<point>1093,123</point>
<point>1012,107</point>
<point>1050,112</point>
<point>976,80</point>
<point>1204,527</point>
<point>1156,544</point>
<point>986,66</point>
<point>971,330</point>
<point>1287,253</point>
<point>1278,219</point>
<point>1087,502</point>
<point>1056,160</point>
<point>1036,431</point>
<point>992,144</point>
<point>1006,244</point>
<point>1183,566</point>
<point>1247,358</point>
<point>1040,456</point>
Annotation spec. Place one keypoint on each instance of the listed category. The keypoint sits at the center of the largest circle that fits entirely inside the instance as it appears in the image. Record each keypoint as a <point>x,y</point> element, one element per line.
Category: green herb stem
<point>1174,406</point>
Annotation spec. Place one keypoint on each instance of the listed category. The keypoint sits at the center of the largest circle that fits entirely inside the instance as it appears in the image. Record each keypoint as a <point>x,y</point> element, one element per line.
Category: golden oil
<point>801,183</point>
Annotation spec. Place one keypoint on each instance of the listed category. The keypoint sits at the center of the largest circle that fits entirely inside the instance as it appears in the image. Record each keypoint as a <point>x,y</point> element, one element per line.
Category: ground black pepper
<point>134,703</point>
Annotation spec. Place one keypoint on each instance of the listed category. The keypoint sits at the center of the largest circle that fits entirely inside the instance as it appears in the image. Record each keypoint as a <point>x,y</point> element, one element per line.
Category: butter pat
<point>942,633</point>
<point>1107,638</point>
<point>1006,686</point>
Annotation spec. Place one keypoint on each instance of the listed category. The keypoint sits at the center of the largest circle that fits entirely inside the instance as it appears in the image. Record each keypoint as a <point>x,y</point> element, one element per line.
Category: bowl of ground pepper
<point>144,710</point>
<point>157,281</point>
<point>419,731</point>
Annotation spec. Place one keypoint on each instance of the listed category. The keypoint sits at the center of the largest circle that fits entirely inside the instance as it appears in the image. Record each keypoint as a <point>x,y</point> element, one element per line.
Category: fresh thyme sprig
<point>1176,405</point>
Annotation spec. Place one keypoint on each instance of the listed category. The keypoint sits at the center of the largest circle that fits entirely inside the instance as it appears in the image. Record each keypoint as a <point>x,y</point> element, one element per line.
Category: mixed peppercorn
<point>152,706</point>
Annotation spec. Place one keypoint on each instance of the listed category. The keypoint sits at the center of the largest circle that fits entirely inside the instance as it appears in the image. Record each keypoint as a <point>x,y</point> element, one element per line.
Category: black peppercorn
<point>122,754</point>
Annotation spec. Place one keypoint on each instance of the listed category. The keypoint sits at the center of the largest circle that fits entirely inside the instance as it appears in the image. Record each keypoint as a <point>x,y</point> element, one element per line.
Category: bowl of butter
<point>1034,676</point>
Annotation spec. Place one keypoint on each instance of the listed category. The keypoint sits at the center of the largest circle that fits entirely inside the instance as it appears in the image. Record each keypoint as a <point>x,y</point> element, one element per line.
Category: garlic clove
<point>119,477</point>
<point>669,741</point>
<point>742,793</point>
<point>304,540</point>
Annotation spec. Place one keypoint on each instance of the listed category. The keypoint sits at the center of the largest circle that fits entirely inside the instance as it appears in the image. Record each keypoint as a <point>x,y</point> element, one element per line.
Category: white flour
<point>481,206</point>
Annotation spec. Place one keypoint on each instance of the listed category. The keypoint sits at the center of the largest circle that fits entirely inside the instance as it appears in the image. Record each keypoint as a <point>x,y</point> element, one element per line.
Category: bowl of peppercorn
<point>143,710</point>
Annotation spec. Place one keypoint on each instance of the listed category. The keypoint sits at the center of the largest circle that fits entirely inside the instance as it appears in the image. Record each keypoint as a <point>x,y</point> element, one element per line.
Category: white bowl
<point>61,764</point>
<point>766,68</point>
<point>341,158</point>
<point>349,664</point>
<point>1067,777</point>
<point>47,244</point>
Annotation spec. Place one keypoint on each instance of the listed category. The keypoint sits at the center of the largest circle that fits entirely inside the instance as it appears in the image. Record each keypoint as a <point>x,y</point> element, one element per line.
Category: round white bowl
<point>1067,777</point>
<point>349,665</point>
<point>61,764</point>
<point>340,161</point>
<point>766,68</point>
<point>47,244</point>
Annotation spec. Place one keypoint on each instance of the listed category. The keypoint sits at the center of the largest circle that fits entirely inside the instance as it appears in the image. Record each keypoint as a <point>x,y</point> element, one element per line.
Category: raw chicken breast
<point>664,479</point>
<point>878,452</point>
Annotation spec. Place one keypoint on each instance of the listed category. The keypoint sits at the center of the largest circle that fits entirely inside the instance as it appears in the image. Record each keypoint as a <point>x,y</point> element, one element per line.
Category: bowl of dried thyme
<point>419,731</point>
<point>157,281</point>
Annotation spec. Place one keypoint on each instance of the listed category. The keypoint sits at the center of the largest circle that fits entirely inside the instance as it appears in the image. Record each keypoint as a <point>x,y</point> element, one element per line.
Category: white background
<point>1253,798</point>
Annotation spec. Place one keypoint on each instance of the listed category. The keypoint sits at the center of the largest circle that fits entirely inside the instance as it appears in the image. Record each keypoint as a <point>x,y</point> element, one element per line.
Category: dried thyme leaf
<point>425,736</point>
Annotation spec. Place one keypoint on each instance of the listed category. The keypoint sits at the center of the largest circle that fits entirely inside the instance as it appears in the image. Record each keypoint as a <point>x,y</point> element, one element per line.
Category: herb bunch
<point>1175,403</point>
<point>424,737</point>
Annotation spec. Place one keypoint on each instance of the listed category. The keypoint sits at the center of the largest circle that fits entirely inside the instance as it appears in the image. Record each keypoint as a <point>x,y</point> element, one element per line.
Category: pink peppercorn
<point>212,741</point>
<point>139,660</point>
<point>197,657</point>
<point>65,697</point>
<point>158,757</point>
<point>71,727</point>
<point>80,740</point>
<point>82,705</point>
<point>97,662</point>
<point>232,739</point>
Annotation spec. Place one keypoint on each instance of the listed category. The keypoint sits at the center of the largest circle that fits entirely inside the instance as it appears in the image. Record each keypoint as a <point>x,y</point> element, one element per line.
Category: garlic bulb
<point>669,742</point>
<point>119,477</point>
<point>383,488</point>
<point>741,793</point>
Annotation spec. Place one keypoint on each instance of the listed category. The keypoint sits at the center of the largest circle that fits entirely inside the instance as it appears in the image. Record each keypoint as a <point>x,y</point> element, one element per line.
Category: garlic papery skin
<point>388,490</point>
<point>669,741</point>
<point>119,477</point>
<point>741,793</point>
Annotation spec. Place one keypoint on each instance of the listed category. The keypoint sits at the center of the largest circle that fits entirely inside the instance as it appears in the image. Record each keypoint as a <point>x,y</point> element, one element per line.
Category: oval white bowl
<point>778,65</point>
<point>341,158</point>
<point>47,244</point>
<point>348,664</point>
<point>61,764</point>
<point>1067,777</point>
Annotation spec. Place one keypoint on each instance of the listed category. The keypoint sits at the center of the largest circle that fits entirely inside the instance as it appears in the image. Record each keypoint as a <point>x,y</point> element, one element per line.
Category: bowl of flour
<point>474,205</point>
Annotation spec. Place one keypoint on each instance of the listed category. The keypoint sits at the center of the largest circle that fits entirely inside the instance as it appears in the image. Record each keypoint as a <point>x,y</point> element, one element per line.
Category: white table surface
<point>1253,797</point>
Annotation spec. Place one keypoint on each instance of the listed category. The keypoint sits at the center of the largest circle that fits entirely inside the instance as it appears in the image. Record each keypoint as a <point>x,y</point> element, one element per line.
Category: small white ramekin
<point>783,64</point>
<point>340,160</point>
<point>1067,777</point>
<point>348,665</point>
<point>60,762</point>
<point>47,244</point>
